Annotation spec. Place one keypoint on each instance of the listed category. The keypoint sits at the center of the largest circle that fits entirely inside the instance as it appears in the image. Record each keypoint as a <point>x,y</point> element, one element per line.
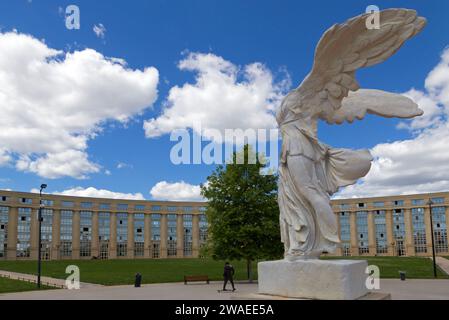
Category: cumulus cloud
<point>92,192</point>
<point>99,30</point>
<point>420,164</point>
<point>178,191</point>
<point>222,97</point>
<point>53,102</point>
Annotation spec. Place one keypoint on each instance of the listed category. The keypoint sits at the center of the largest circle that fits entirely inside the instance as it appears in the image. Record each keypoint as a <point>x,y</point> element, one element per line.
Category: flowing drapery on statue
<point>311,172</point>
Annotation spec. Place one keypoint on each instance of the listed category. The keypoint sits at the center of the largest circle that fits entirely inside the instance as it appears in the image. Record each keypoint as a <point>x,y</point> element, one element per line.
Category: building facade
<point>86,228</point>
<point>393,226</point>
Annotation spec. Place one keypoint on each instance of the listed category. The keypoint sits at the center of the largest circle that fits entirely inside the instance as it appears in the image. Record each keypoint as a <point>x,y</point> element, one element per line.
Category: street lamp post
<point>430,203</point>
<point>39,249</point>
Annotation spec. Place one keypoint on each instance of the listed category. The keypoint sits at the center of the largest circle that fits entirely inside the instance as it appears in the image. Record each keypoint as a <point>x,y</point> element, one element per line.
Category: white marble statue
<point>310,171</point>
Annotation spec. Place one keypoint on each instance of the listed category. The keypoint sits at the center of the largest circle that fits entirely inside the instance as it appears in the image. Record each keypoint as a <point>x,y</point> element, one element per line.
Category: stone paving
<point>443,263</point>
<point>399,290</point>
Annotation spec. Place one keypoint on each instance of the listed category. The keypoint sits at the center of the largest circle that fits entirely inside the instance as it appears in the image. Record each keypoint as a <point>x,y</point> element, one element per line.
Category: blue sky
<point>281,35</point>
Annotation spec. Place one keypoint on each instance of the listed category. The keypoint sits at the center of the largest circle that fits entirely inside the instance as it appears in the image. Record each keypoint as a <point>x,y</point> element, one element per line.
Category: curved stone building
<point>89,228</point>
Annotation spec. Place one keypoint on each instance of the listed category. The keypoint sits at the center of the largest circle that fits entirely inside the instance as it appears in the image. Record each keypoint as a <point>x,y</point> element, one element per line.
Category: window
<point>172,209</point>
<point>419,230</point>
<point>379,204</point>
<point>139,235</point>
<point>418,202</point>
<point>86,205</point>
<point>188,239</point>
<point>23,233</point>
<point>3,198</point>
<point>104,231</point>
<point>156,235</point>
<point>345,206</point>
<point>439,229</point>
<point>188,209</point>
<point>204,227</point>
<point>203,209</point>
<point>67,204</point>
<point>85,233</point>
<point>4,219</point>
<point>26,201</point>
<point>361,205</point>
<point>122,234</point>
<point>66,234</point>
<point>381,232</point>
<point>105,206</point>
<point>139,207</point>
<point>399,231</point>
<point>345,232</point>
<point>156,208</point>
<point>438,200</point>
<point>172,235</point>
<point>398,203</point>
<point>122,206</point>
<point>47,203</point>
<point>362,232</point>
<point>46,233</point>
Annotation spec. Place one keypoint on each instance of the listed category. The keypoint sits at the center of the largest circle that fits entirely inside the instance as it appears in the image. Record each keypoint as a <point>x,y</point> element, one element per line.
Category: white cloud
<point>432,111</point>
<point>420,164</point>
<point>122,165</point>
<point>5,158</point>
<point>178,191</point>
<point>52,103</point>
<point>72,163</point>
<point>223,97</point>
<point>92,192</point>
<point>100,30</point>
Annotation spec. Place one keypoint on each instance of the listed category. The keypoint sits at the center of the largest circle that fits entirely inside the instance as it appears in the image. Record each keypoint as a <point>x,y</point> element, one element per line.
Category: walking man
<point>228,275</point>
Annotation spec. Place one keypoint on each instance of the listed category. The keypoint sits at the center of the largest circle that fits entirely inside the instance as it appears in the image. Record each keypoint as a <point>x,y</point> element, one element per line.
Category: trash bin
<point>138,281</point>
<point>402,274</point>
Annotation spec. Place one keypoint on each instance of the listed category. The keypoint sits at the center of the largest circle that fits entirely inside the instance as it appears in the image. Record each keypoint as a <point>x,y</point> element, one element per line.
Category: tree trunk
<point>249,270</point>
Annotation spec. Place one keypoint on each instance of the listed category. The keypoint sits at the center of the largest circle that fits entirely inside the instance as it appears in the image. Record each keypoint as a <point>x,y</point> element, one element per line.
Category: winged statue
<point>311,172</point>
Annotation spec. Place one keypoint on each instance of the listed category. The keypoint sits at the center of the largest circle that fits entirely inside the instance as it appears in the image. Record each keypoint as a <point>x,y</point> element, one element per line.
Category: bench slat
<point>196,279</point>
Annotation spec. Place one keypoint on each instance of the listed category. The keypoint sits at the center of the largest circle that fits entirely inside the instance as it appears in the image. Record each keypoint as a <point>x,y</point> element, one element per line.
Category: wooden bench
<point>195,279</point>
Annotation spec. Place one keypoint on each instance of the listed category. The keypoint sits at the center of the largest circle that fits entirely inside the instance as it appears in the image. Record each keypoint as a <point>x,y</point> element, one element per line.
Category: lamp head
<point>43,186</point>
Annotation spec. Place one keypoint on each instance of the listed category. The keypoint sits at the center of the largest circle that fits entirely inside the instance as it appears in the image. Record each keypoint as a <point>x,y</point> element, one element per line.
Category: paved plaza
<point>399,290</point>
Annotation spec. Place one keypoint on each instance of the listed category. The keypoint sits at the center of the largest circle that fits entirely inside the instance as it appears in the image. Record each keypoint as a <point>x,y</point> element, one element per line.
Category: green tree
<point>243,212</point>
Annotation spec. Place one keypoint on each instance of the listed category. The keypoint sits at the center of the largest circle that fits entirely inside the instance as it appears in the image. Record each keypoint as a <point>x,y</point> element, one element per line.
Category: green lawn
<point>9,286</point>
<point>121,272</point>
<point>415,267</point>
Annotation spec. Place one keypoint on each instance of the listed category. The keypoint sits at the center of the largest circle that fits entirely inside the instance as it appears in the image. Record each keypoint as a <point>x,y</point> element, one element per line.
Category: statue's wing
<point>346,47</point>
<point>377,102</point>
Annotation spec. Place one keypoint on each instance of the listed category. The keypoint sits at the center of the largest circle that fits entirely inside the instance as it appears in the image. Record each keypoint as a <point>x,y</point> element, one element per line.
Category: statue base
<point>314,279</point>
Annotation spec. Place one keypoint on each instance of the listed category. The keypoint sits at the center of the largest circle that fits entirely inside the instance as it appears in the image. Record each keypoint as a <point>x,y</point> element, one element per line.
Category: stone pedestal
<point>314,279</point>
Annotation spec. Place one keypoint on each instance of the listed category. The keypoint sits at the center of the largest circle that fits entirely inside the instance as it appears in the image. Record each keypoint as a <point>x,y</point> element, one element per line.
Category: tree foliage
<point>243,212</point>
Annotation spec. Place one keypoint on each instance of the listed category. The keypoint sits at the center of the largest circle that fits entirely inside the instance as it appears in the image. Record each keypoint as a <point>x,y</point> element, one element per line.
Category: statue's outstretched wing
<point>377,102</point>
<point>346,47</point>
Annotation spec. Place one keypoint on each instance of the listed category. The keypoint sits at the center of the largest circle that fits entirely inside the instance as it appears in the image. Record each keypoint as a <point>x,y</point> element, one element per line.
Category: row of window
<point>380,229</point>
<point>396,203</point>
<point>105,206</point>
<point>104,226</point>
